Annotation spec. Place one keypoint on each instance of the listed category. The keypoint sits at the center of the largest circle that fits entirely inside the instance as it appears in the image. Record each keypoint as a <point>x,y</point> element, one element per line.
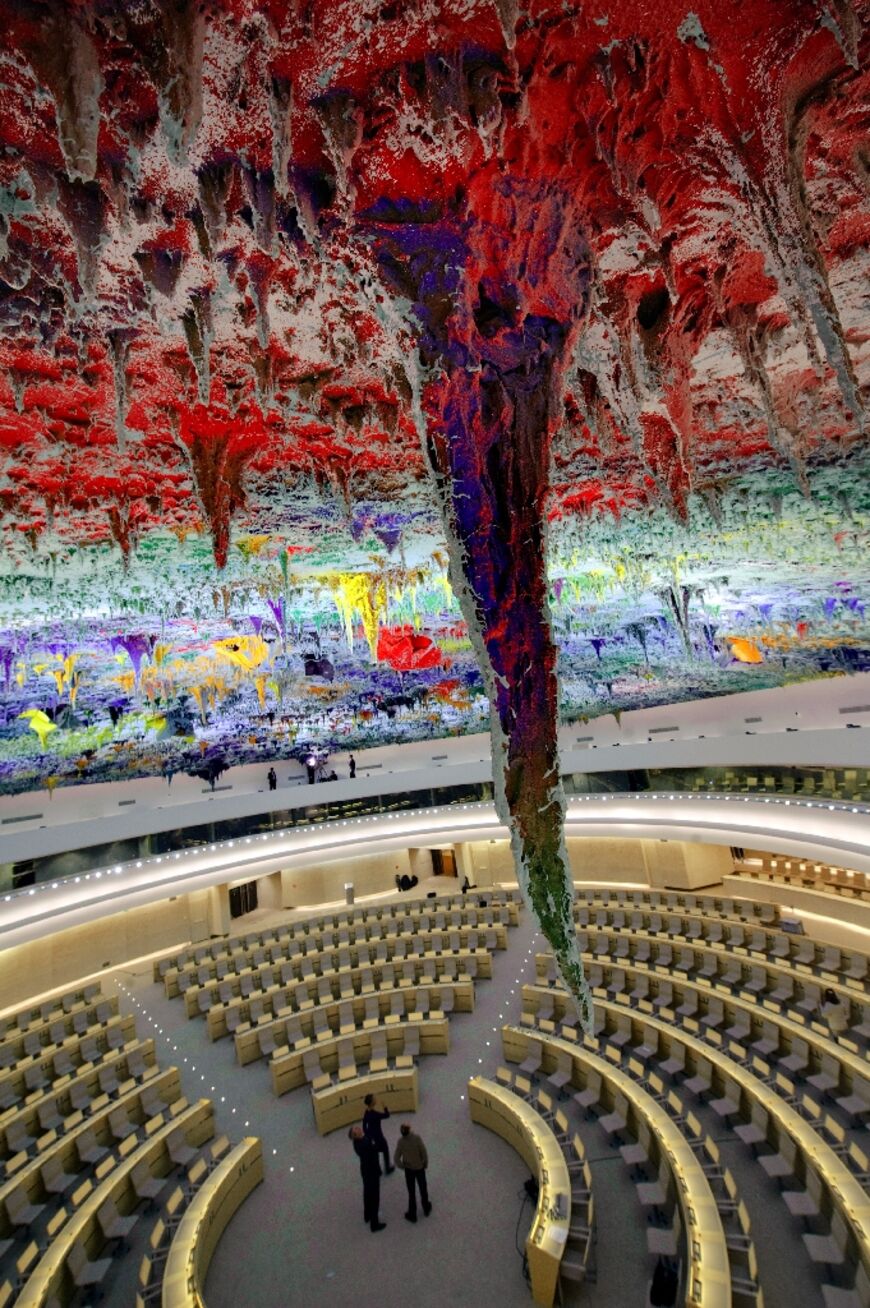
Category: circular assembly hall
<point>434,653</point>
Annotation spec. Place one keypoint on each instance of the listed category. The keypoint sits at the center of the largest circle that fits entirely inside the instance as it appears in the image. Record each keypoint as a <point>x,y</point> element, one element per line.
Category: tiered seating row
<point>249,964</point>
<point>661,1147</point>
<point>683,1186</point>
<point>351,962</point>
<point>516,1120</point>
<point>344,1054</point>
<point>674,901</point>
<point>759,1037</point>
<point>194,1176</point>
<point>577,1262</point>
<point>18,1045</point>
<point>770,984</point>
<point>297,1029</point>
<point>70,1001</point>
<point>72,1259</point>
<point>31,1077</point>
<point>767,1121</point>
<point>813,876</point>
<point>239,1016</point>
<point>203,1224</point>
<point>499,906</point>
<point>797,952</point>
<point>65,1157</point>
<point>22,1127</point>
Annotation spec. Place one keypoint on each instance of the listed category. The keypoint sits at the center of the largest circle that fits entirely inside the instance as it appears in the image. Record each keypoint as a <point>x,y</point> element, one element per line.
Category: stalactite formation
<point>533,336</point>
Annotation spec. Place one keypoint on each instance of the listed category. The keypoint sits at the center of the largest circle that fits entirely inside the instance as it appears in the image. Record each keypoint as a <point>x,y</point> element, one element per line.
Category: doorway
<point>444,862</point>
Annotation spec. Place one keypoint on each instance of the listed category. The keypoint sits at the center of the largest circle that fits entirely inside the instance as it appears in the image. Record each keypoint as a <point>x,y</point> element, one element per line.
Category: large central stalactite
<point>494,341</point>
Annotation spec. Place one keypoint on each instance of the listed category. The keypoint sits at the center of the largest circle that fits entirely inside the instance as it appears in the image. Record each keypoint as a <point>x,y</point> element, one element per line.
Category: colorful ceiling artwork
<point>341,338</point>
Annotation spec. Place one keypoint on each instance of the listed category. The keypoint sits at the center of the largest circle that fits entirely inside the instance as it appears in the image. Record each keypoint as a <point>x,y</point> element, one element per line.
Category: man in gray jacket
<point>411,1156</point>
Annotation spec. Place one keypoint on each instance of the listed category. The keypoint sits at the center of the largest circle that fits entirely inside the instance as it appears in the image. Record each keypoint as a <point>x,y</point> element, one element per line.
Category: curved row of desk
<point>204,976</point>
<point>51,1280</point>
<point>305,1001</point>
<point>494,906</point>
<point>709,1278</point>
<point>847,1195</point>
<point>716,965</point>
<point>204,1222</point>
<point>739,938</point>
<point>500,1110</point>
<point>849,1070</point>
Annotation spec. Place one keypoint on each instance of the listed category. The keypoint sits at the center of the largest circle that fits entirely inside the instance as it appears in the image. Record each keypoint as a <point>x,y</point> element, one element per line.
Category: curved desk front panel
<point>502,1111</point>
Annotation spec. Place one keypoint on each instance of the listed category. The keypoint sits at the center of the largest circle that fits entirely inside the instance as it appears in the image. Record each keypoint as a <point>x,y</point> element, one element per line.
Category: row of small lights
<point>285,833</point>
<point>344,823</point>
<point>512,991</point>
<point>174,1047</point>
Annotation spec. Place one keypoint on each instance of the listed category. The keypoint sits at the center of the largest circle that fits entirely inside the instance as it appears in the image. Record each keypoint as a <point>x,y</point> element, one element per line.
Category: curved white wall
<point>820,830</point>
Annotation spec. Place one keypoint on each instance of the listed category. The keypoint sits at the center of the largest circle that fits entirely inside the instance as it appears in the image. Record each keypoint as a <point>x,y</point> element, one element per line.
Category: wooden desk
<point>204,1222</point>
<point>86,1075</point>
<point>502,1111</point>
<point>287,1071</point>
<point>853,1066</point>
<point>708,1284</point>
<point>63,1147</point>
<point>14,1038</point>
<point>50,1279</point>
<point>325,959</point>
<point>342,1104</point>
<point>248,1042</point>
<point>845,1190</point>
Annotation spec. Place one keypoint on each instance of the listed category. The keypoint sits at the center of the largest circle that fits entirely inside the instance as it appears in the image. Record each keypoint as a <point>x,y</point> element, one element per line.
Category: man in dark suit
<point>370,1167</point>
<point>373,1118</point>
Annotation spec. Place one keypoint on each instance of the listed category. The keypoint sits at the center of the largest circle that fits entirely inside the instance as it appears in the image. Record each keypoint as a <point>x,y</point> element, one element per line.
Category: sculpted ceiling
<point>365,363</point>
